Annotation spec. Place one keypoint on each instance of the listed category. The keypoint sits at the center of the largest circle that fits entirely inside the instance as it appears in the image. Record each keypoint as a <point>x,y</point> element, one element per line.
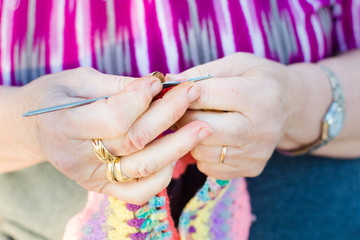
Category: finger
<point>229,128</point>
<point>112,117</point>
<point>87,82</point>
<point>161,115</point>
<point>238,162</point>
<point>245,168</point>
<point>224,94</point>
<point>155,156</point>
<point>218,171</point>
<point>212,154</point>
<point>165,150</point>
<point>229,66</point>
<point>141,190</point>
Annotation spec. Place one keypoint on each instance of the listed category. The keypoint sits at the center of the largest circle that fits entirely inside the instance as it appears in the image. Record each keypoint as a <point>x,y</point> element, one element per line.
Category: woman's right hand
<point>128,122</point>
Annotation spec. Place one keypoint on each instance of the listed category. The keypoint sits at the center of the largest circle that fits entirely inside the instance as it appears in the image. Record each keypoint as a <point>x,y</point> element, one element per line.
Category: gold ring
<point>223,154</point>
<point>110,171</point>
<point>101,152</point>
<point>118,174</point>
<point>159,75</point>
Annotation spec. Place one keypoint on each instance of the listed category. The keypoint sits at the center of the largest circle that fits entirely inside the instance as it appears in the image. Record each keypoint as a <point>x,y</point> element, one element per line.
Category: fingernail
<point>174,77</point>
<point>173,164</point>
<point>156,86</point>
<point>204,133</point>
<point>193,93</point>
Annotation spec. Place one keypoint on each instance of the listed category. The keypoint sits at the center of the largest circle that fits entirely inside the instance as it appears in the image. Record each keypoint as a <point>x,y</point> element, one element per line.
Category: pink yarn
<point>241,219</point>
<point>182,164</point>
<point>73,230</point>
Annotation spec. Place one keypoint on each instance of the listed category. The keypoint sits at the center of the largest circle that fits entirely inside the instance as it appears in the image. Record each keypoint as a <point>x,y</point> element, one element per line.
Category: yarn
<point>210,214</point>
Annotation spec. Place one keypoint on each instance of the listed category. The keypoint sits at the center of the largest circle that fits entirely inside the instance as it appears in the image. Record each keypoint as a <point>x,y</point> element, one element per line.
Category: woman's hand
<point>253,106</point>
<point>127,122</point>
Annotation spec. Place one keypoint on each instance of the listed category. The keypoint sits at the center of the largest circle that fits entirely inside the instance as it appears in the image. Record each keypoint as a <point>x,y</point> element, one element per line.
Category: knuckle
<point>238,124</point>
<point>117,123</point>
<point>217,173</point>
<point>203,70</point>
<point>224,176</point>
<point>138,140</point>
<point>206,95</point>
<point>139,200</point>
<point>139,168</point>
<point>252,170</point>
<point>142,169</point>
<point>202,167</point>
<point>85,70</point>
<point>196,153</point>
<point>251,131</point>
<point>119,82</point>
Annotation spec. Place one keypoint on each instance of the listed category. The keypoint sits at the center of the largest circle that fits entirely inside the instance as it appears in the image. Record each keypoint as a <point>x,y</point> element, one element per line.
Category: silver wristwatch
<point>333,120</point>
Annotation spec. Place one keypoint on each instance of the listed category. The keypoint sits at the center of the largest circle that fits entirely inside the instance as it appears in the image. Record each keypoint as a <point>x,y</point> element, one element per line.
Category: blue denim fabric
<point>306,198</point>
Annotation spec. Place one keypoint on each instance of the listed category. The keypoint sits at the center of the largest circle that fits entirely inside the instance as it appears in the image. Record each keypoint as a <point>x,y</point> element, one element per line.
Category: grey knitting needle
<point>75,104</point>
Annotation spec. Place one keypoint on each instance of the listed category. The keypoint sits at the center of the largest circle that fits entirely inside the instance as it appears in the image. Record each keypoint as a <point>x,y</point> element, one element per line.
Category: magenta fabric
<point>135,37</point>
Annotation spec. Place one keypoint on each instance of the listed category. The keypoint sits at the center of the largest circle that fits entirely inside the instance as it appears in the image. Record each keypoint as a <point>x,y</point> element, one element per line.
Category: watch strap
<point>337,97</point>
<point>336,88</point>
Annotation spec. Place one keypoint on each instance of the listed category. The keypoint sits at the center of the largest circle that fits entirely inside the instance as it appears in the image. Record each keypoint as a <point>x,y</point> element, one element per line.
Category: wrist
<point>310,95</point>
<point>29,125</point>
<point>19,146</point>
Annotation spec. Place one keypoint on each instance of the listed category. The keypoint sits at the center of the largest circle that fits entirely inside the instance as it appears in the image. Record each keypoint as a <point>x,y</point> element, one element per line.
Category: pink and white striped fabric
<point>135,37</point>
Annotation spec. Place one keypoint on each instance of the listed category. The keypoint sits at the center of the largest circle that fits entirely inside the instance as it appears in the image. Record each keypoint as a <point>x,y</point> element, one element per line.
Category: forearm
<point>17,149</point>
<point>316,98</point>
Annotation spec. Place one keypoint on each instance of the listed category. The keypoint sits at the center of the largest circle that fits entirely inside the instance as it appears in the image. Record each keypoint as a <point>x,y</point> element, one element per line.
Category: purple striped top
<point>135,37</point>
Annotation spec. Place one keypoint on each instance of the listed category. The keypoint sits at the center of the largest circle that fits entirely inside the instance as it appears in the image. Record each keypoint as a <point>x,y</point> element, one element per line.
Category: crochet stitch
<point>210,214</point>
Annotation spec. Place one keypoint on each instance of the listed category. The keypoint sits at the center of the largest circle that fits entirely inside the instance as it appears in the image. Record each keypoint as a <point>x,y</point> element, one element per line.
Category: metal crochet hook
<point>75,104</point>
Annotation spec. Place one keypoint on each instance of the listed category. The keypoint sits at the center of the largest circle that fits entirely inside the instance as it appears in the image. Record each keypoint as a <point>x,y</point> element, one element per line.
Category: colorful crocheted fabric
<point>219,210</point>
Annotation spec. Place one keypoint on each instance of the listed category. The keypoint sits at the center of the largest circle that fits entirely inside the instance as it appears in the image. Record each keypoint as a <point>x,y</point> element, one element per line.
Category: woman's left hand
<point>253,105</point>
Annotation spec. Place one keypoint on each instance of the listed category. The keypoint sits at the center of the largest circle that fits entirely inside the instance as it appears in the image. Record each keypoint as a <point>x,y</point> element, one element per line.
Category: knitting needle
<point>75,104</point>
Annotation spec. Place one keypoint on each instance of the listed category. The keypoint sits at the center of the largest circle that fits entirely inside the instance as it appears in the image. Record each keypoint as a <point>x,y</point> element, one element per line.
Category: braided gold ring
<point>101,152</point>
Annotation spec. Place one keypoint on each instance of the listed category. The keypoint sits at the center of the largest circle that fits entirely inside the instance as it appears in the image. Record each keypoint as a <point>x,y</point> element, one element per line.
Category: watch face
<point>335,119</point>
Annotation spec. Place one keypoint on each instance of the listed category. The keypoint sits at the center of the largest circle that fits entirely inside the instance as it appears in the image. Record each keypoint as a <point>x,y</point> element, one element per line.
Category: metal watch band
<point>337,91</point>
<point>338,98</point>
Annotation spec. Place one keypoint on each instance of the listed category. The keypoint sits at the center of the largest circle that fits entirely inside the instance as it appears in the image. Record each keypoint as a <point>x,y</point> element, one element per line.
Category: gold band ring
<point>114,172</point>
<point>119,175</point>
<point>101,152</point>
<point>223,154</point>
<point>110,171</point>
<point>159,75</point>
